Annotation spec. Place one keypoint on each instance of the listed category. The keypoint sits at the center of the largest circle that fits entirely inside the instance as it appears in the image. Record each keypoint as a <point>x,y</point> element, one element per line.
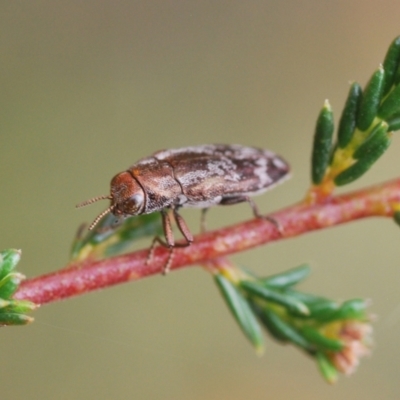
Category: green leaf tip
<point>371,100</point>
<point>391,64</point>
<point>352,309</point>
<point>327,369</point>
<point>241,311</point>
<point>8,261</point>
<point>11,318</point>
<point>347,123</point>
<point>322,146</point>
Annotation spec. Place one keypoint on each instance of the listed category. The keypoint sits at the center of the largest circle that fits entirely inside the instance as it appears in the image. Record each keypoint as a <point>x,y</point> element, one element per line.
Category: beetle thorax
<point>127,196</point>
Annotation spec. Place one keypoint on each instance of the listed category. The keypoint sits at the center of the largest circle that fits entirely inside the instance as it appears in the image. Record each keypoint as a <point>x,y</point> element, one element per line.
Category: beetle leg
<point>170,242</point>
<point>253,205</point>
<point>168,263</point>
<point>183,228</point>
<point>169,235</point>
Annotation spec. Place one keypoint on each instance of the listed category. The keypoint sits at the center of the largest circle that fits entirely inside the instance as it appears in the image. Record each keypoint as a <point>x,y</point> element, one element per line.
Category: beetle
<point>197,176</point>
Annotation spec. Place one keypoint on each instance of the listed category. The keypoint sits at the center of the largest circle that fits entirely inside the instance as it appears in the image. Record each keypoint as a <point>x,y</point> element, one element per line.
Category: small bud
<point>356,339</point>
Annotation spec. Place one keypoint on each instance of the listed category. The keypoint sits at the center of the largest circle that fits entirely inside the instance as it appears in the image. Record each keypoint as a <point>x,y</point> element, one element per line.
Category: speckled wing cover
<point>209,173</point>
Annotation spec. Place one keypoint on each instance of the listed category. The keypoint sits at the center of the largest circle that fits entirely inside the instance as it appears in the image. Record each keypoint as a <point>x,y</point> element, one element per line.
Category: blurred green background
<point>87,88</point>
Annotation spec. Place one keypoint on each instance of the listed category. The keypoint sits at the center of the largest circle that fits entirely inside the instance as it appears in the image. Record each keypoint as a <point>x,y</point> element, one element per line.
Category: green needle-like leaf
<point>278,327</point>
<point>291,304</point>
<point>390,64</point>
<point>328,370</point>
<point>242,312</point>
<point>352,173</point>
<point>352,309</point>
<point>375,145</point>
<point>347,123</point>
<point>319,307</point>
<point>288,278</point>
<point>20,306</point>
<point>371,99</point>
<point>322,310</point>
<point>320,341</point>
<point>322,146</point>
<point>367,154</point>
<point>263,317</point>
<point>14,319</point>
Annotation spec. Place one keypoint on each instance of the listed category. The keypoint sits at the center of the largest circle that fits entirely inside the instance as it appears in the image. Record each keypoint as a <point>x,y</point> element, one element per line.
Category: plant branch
<point>76,279</point>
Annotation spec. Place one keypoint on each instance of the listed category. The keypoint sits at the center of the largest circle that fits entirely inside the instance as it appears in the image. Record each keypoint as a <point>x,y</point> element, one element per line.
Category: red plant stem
<point>81,278</point>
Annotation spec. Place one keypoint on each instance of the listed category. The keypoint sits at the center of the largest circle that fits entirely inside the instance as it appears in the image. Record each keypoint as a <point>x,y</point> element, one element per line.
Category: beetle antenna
<point>93,200</point>
<point>100,216</point>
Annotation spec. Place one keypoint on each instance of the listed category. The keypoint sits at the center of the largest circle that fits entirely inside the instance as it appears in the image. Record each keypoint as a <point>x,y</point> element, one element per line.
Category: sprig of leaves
<point>365,129</point>
<point>12,312</point>
<point>322,328</point>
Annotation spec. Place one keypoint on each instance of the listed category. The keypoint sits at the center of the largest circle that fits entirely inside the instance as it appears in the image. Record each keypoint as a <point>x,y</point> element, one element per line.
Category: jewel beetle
<point>197,176</point>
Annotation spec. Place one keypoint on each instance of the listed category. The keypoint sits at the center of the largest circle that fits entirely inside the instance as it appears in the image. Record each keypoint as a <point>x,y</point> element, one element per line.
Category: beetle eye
<point>137,199</point>
<point>133,204</point>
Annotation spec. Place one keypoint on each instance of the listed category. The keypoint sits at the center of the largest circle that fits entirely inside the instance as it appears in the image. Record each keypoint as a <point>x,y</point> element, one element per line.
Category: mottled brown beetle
<point>201,176</point>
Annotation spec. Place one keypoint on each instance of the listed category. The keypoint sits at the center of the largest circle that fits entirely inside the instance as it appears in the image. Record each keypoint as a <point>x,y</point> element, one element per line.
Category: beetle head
<point>126,195</point>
